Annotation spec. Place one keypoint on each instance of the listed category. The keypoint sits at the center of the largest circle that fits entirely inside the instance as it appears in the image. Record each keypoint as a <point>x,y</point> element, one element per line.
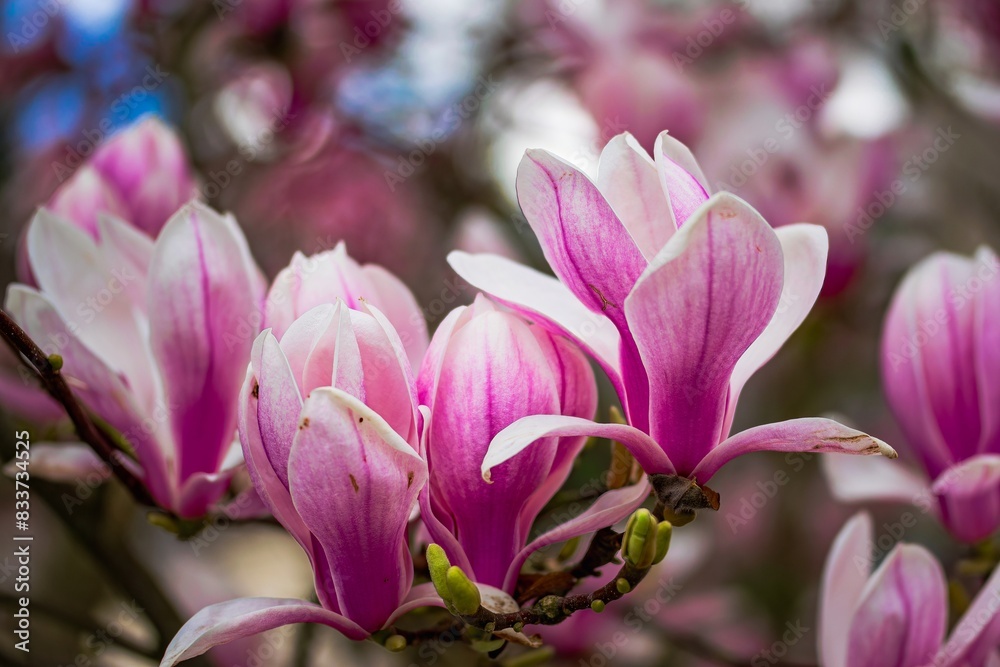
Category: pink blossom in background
<point>941,376</point>
<point>146,332</point>
<point>641,256</point>
<point>141,175</point>
<point>897,614</point>
<point>484,370</point>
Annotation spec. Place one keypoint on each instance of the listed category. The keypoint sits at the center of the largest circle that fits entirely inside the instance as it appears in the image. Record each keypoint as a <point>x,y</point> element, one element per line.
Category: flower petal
<point>708,295</point>
<point>393,298</point>
<point>975,637</point>
<point>585,243</point>
<point>813,434</point>
<point>203,309</point>
<point>903,613</point>
<point>354,481</point>
<point>522,433</point>
<point>545,300</point>
<point>804,248</point>
<point>628,179</point>
<point>610,508</point>
<point>986,341</point>
<point>970,497</point>
<point>681,178</point>
<point>855,479</point>
<point>92,296</point>
<point>844,577</point>
<point>228,621</point>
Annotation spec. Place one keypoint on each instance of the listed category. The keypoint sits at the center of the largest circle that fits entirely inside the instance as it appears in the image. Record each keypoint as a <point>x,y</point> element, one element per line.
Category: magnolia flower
<point>941,373</point>
<point>328,433</point>
<point>486,369</point>
<point>898,615</point>
<point>680,297</point>
<point>140,175</point>
<point>144,332</point>
<point>330,275</point>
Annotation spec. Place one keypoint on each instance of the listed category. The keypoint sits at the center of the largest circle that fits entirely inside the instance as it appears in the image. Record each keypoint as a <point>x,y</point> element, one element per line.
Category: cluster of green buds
<point>459,593</point>
<point>646,540</point>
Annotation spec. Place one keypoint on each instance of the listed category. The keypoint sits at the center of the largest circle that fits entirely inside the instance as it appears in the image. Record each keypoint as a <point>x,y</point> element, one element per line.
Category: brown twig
<point>554,609</point>
<point>54,383</point>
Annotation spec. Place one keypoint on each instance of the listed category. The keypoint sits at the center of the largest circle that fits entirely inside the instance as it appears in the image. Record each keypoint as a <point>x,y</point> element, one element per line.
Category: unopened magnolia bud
<point>464,594</point>
<point>639,544</point>
<point>438,564</point>
<point>597,605</point>
<point>664,530</point>
<point>395,643</point>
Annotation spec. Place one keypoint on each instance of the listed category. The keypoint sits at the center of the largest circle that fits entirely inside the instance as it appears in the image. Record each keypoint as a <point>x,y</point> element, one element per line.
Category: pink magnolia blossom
<point>485,369</point>
<point>898,615</point>
<point>143,329</point>
<point>140,175</point>
<point>680,297</point>
<point>328,427</point>
<point>941,373</point>
<point>308,282</point>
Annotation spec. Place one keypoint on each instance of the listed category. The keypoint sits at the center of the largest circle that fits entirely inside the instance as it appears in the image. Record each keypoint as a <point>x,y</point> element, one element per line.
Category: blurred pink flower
<point>941,374</point>
<point>486,369</point>
<point>679,296</point>
<point>140,175</point>
<point>145,332</point>
<point>898,615</point>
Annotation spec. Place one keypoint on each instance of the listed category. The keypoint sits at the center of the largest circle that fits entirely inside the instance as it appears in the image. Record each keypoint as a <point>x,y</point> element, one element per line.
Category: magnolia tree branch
<point>55,385</point>
<point>554,609</point>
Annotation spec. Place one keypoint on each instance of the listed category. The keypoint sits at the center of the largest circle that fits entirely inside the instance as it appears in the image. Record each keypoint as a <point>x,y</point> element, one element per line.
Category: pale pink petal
<point>903,613</point>
<point>693,313</point>
<point>63,462</point>
<point>204,308</point>
<point>976,636</point>
<point>814,434</point>
<point>970,497</point>
<point>227,621</point>
<point>681,178</point>
<point>400,307</point>
<point>522,433</point>
<point>844,577</point>
<point>804,248</point>
<point>628,179</point>
<point>855,479</point>
<point>545,300</point>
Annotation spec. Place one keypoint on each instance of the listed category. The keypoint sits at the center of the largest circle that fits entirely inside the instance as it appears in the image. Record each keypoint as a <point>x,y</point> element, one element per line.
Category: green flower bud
<point>597,605</point>
<point>663,532</point>
<point>438,564</point>
<point>622,585</point>
<point>464,594</point>
<point>395,643</point>
<point>56,362</point>
<point>639,544</point>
